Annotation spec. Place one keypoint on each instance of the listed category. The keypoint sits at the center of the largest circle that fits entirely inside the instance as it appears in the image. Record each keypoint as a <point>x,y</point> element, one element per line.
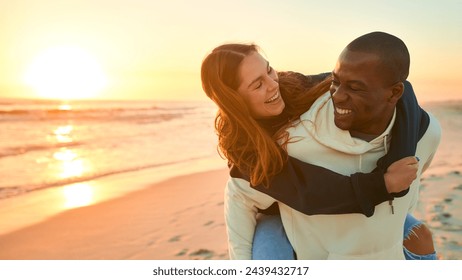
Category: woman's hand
<point>401,173</point>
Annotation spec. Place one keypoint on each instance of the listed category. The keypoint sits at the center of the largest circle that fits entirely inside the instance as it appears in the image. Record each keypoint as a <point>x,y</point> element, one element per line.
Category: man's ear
<point>396,92</point>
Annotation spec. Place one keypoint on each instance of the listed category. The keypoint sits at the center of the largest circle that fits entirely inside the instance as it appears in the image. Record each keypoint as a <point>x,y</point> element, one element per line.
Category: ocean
<point>46,143</point>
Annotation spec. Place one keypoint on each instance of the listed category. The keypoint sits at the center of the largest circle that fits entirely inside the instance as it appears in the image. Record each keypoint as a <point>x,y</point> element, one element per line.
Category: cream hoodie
<point>346,236</point>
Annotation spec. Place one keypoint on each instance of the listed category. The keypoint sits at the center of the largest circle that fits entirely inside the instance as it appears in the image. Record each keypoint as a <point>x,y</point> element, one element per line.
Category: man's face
<point>360,94</point>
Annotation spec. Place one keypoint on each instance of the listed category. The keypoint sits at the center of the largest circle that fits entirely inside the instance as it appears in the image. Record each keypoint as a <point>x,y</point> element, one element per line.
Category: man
<point>347,132</point>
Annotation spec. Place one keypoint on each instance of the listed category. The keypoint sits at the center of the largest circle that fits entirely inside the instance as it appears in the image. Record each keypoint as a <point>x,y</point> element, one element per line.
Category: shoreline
<point>144,224</point>
<point>36,206</point>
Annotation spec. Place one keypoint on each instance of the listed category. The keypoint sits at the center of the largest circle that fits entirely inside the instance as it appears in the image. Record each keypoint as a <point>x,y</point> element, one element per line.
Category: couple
<point>338,155</point>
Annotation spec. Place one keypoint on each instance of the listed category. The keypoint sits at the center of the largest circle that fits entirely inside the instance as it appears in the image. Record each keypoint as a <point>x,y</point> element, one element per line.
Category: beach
<point>181,216</point>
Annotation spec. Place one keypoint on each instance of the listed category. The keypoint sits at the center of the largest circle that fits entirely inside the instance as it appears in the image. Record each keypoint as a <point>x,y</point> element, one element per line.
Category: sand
<point>440,204</point>
<point>182,217</point>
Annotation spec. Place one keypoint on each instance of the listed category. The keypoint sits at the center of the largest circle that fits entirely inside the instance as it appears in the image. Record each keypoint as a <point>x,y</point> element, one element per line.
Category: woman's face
<point>259,87</point>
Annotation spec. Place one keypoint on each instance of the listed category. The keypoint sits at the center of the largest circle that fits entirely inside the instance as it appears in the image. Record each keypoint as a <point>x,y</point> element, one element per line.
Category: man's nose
<point>338,93</point>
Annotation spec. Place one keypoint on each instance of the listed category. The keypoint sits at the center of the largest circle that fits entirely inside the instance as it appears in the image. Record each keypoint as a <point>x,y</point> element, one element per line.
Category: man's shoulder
<point>432,136</point>
<point>434,127</point>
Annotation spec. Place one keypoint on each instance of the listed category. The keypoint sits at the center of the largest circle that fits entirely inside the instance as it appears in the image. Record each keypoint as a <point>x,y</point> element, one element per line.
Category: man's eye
<point>335,83</point>
<point>355,89</point>
<point>259,85</point>
<point>270,69</point>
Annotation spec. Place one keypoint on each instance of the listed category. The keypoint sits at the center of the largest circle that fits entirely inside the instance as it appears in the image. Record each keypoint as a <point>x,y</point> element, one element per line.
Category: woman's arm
<point>312,189</point>
<point>241,205</point>
<point>321,191</point>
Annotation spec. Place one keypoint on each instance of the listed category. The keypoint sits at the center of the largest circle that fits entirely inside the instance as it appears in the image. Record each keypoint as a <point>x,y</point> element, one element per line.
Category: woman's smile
<point>273,98</point>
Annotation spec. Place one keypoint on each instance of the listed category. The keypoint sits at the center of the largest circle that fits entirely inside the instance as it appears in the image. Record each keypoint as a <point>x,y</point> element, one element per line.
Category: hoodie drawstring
<point>385,144</point>
<point>390,202</point>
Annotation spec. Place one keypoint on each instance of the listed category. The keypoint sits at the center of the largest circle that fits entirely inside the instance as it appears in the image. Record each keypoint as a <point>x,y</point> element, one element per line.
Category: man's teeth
<point>342,111</point>
<point>274,97</point>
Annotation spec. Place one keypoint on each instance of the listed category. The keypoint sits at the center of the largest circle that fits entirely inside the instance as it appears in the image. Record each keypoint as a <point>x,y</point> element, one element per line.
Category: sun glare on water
<point>66,72</point>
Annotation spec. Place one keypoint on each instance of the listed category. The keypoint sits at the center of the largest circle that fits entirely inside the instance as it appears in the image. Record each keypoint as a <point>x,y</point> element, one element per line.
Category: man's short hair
<point>392,51</point>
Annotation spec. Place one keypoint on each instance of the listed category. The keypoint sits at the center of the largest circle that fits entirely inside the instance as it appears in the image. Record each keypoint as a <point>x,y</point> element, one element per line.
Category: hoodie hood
<point>319,122</point>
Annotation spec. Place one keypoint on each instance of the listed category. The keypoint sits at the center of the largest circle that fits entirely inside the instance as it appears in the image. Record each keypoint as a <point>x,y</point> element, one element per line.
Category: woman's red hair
<point>241,139</point>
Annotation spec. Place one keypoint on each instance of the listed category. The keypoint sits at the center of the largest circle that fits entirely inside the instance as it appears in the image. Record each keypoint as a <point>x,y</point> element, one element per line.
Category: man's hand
<point>401,173</point>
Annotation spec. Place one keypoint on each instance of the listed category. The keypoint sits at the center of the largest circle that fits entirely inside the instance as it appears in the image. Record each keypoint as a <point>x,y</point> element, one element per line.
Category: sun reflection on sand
<point>71,165</point>
<point>78,195</point>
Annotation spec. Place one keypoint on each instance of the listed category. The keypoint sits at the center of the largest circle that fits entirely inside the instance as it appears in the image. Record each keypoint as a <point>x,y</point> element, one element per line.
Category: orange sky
<point>153,49</point>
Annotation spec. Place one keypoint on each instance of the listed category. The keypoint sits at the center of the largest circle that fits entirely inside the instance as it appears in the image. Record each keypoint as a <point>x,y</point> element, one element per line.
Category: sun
<point>66,72</point>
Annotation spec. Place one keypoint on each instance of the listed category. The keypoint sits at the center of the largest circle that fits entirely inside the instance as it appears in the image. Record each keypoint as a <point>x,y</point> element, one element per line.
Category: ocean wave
<point>15,151</point>
<point>107,137</point>
<point>113,114</point>
<point>10,191</point>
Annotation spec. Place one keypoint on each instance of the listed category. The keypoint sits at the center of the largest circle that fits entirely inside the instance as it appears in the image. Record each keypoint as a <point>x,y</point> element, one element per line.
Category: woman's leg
<point>417,240</point>
<point>270,241</point>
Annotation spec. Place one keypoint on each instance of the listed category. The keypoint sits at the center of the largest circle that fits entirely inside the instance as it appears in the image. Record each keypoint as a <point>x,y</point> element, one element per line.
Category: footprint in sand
<point>445,215</point>
<point>175,238</point>
<point>208,223</point>
<point>432,177</point>
<point>438,208</point>
<point>182,253</point>
<point>443,221</point>
<point>202,253</point>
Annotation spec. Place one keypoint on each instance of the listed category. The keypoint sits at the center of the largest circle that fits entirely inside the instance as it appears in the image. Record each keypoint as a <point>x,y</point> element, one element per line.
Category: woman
<point>251,128</point>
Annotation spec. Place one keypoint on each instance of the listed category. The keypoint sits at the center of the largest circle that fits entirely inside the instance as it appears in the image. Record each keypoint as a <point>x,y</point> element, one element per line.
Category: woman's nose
<point>273,83</point>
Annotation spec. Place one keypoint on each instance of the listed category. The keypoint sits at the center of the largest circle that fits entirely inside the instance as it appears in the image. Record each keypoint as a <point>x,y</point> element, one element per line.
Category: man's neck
<point>370,137</point>
<point>363,136</point>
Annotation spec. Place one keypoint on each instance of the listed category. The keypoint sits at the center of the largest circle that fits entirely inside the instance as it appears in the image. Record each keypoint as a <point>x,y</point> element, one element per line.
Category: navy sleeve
<point>313,190</point>
<point>410,125</point>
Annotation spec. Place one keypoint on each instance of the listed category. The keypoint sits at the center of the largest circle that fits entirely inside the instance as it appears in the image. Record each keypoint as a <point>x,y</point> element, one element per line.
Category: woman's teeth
<point>273,98</point>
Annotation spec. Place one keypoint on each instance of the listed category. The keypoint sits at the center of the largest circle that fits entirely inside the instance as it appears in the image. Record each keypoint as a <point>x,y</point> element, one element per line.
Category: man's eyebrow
<point>361,83</point>
<point>259,77</point>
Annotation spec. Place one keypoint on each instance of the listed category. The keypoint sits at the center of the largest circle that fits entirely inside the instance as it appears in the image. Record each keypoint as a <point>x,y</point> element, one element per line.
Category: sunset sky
<point>149,49</point>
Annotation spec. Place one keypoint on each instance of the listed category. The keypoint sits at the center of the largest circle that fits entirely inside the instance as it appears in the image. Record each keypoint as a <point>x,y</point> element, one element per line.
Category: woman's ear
<point>396,92</point>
